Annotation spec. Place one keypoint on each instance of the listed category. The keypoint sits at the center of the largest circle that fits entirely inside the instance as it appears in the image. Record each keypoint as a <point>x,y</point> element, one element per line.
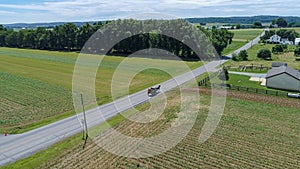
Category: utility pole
<point>84,121</point>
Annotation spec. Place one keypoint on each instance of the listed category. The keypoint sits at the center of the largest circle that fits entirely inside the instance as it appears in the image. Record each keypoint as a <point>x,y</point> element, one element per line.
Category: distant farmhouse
<point>277,39</point>
<point>286,41</point>
<point>274,26</point>
<point>283,77</point>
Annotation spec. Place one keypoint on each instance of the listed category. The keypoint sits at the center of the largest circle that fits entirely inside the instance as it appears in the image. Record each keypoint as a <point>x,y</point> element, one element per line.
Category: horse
<point>153,90</point>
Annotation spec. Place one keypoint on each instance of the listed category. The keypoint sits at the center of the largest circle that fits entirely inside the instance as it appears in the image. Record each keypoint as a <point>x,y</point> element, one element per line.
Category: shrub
<point>297,51</point>
<point>242,56</point>
<point>277,49</point>
<point>264,54</point>
<point>235,57</point>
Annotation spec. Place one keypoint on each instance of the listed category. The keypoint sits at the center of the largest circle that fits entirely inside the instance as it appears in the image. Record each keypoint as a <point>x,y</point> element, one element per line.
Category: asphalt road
<point>248,45</point>
<point>15,147</point>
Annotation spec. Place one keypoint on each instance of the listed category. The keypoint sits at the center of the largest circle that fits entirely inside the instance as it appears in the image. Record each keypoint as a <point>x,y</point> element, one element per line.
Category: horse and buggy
<point>153,91</point>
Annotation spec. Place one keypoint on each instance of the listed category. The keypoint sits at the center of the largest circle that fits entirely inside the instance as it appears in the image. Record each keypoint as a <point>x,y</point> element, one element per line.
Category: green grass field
<point>252,57</point>
<point>241,80</point>
<point>36,85</point>
<point>297,30</point>
<point>241,37</point>
<point>251,134</point>
<point>246,34</point>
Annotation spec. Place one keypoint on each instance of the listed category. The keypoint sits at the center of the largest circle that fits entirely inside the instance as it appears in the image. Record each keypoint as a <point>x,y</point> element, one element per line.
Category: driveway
<point>259,75</point>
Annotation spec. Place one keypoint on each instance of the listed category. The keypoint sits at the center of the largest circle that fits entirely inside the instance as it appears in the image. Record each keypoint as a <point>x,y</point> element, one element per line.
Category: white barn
<point>283,77</point>
<point>297,41</point>
<point>286,41</point>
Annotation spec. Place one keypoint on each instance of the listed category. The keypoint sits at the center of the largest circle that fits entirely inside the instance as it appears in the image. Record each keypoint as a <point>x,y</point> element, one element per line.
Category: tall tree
<point>84,33</point>
<point>69,36</point>
<point>257,24</point>
<point>264,54</point>
<point>297,51</point>
<point>3,35</point>
<point>12,39</point>
<point>29,39</point>
<point>220,39</point>
<point>288,33</point>
<point>40,38</point>
<point>281,22</point>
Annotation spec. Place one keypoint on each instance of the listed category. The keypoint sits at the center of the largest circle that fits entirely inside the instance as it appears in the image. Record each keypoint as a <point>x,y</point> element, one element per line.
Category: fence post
<point>256,90</point>
<point>276,93</point>
<point>266,91</point>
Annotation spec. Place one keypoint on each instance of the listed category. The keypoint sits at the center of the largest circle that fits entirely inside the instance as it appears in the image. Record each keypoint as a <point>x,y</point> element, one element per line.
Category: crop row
<point>240,141</point>
<point>26,100</point>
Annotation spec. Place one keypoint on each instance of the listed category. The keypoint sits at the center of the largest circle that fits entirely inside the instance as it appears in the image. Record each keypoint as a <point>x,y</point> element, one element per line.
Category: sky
<point>33,11</point>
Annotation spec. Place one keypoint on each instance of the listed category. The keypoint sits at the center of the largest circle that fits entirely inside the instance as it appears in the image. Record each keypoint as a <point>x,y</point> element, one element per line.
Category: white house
<point>275,26</point>
<point>275,39</point>
<point>297,41</point>
<point>283,77</point>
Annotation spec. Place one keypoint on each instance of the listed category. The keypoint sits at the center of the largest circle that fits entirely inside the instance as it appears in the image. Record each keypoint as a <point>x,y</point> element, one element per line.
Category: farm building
<point>286,41</point>
<point>297,41</point>
<point>278,64</point>
<point>283,77</point>
<point>277,39</point>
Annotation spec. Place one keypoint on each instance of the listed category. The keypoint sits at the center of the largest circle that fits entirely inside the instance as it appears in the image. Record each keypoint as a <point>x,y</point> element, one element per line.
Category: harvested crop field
<point>287,102</point>
<point>254,132</point>
<point>24,100</point>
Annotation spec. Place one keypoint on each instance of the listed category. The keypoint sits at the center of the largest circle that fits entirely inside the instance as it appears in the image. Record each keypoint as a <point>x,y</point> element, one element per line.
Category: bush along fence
<point>207,79</point>
<point>252,67</point>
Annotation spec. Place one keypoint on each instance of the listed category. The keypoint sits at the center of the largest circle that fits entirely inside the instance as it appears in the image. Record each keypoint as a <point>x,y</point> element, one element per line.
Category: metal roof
<point>278,64</point>
<point>283,69</point>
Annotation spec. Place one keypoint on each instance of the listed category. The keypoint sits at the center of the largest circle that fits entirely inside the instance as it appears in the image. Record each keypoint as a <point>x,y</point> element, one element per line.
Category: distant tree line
<point>63,37</point>
<point>69,37</point>
<point>244,21</point>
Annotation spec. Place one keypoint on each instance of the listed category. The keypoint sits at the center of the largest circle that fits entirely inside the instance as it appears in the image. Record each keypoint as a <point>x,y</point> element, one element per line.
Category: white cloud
<point>75,10</point>
<point>5,13</point>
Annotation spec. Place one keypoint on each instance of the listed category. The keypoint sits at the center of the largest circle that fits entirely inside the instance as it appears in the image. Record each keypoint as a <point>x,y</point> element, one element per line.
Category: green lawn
<point>252,57</point>
<point>241,37</point>
<point>37,84</point>
<point>241,80</point>
<point>296,29</point>
<point>246,35</point>
<point>233,46</point>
